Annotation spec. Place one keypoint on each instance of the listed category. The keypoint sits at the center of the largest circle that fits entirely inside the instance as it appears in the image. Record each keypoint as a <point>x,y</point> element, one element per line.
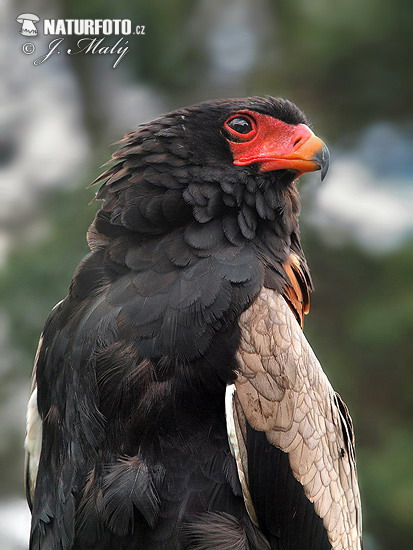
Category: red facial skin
<point>274,144</point>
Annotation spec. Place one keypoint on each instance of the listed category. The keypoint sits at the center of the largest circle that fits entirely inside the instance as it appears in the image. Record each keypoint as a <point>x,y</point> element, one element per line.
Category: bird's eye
<point>240,127</point>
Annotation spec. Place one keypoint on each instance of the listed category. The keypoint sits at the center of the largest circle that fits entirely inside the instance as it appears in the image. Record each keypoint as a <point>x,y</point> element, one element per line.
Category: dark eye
<point>240,127</point>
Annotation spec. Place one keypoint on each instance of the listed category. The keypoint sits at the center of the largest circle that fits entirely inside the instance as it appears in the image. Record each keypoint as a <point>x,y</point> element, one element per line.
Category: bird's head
<point>255,136</point>
<point>229,160</point>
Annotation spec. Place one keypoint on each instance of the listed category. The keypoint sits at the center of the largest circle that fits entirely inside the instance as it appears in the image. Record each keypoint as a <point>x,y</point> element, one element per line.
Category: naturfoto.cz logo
<point>87,28</point>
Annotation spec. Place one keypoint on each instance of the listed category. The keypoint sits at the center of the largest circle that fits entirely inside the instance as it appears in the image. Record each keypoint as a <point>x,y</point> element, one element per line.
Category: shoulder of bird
<point>176,400</point>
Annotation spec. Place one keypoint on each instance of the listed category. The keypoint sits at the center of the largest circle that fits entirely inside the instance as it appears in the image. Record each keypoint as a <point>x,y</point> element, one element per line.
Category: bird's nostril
<point>297,142</point>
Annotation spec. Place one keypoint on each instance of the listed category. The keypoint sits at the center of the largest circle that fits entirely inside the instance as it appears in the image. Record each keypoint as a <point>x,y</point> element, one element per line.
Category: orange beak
<point>312,155</point>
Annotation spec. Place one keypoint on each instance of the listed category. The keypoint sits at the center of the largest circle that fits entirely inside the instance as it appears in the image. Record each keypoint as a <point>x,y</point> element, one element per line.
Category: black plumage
<point>135,361</point>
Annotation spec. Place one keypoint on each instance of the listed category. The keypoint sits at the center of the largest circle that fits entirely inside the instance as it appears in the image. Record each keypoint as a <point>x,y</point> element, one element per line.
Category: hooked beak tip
<point>322,157</point>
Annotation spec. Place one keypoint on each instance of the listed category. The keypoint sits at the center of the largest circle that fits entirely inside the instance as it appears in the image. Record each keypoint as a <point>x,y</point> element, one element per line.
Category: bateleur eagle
<point>176,402</point>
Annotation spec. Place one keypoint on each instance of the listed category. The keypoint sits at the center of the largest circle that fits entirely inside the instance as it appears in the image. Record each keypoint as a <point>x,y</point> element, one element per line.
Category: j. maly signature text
<point>87,45</point>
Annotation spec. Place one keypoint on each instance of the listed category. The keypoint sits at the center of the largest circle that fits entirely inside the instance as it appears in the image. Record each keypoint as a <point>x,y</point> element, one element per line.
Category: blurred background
<point>348,66</point>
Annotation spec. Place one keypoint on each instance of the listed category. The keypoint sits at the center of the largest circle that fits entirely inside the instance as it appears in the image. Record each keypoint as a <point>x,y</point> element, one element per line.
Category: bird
<point>176,403</point>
